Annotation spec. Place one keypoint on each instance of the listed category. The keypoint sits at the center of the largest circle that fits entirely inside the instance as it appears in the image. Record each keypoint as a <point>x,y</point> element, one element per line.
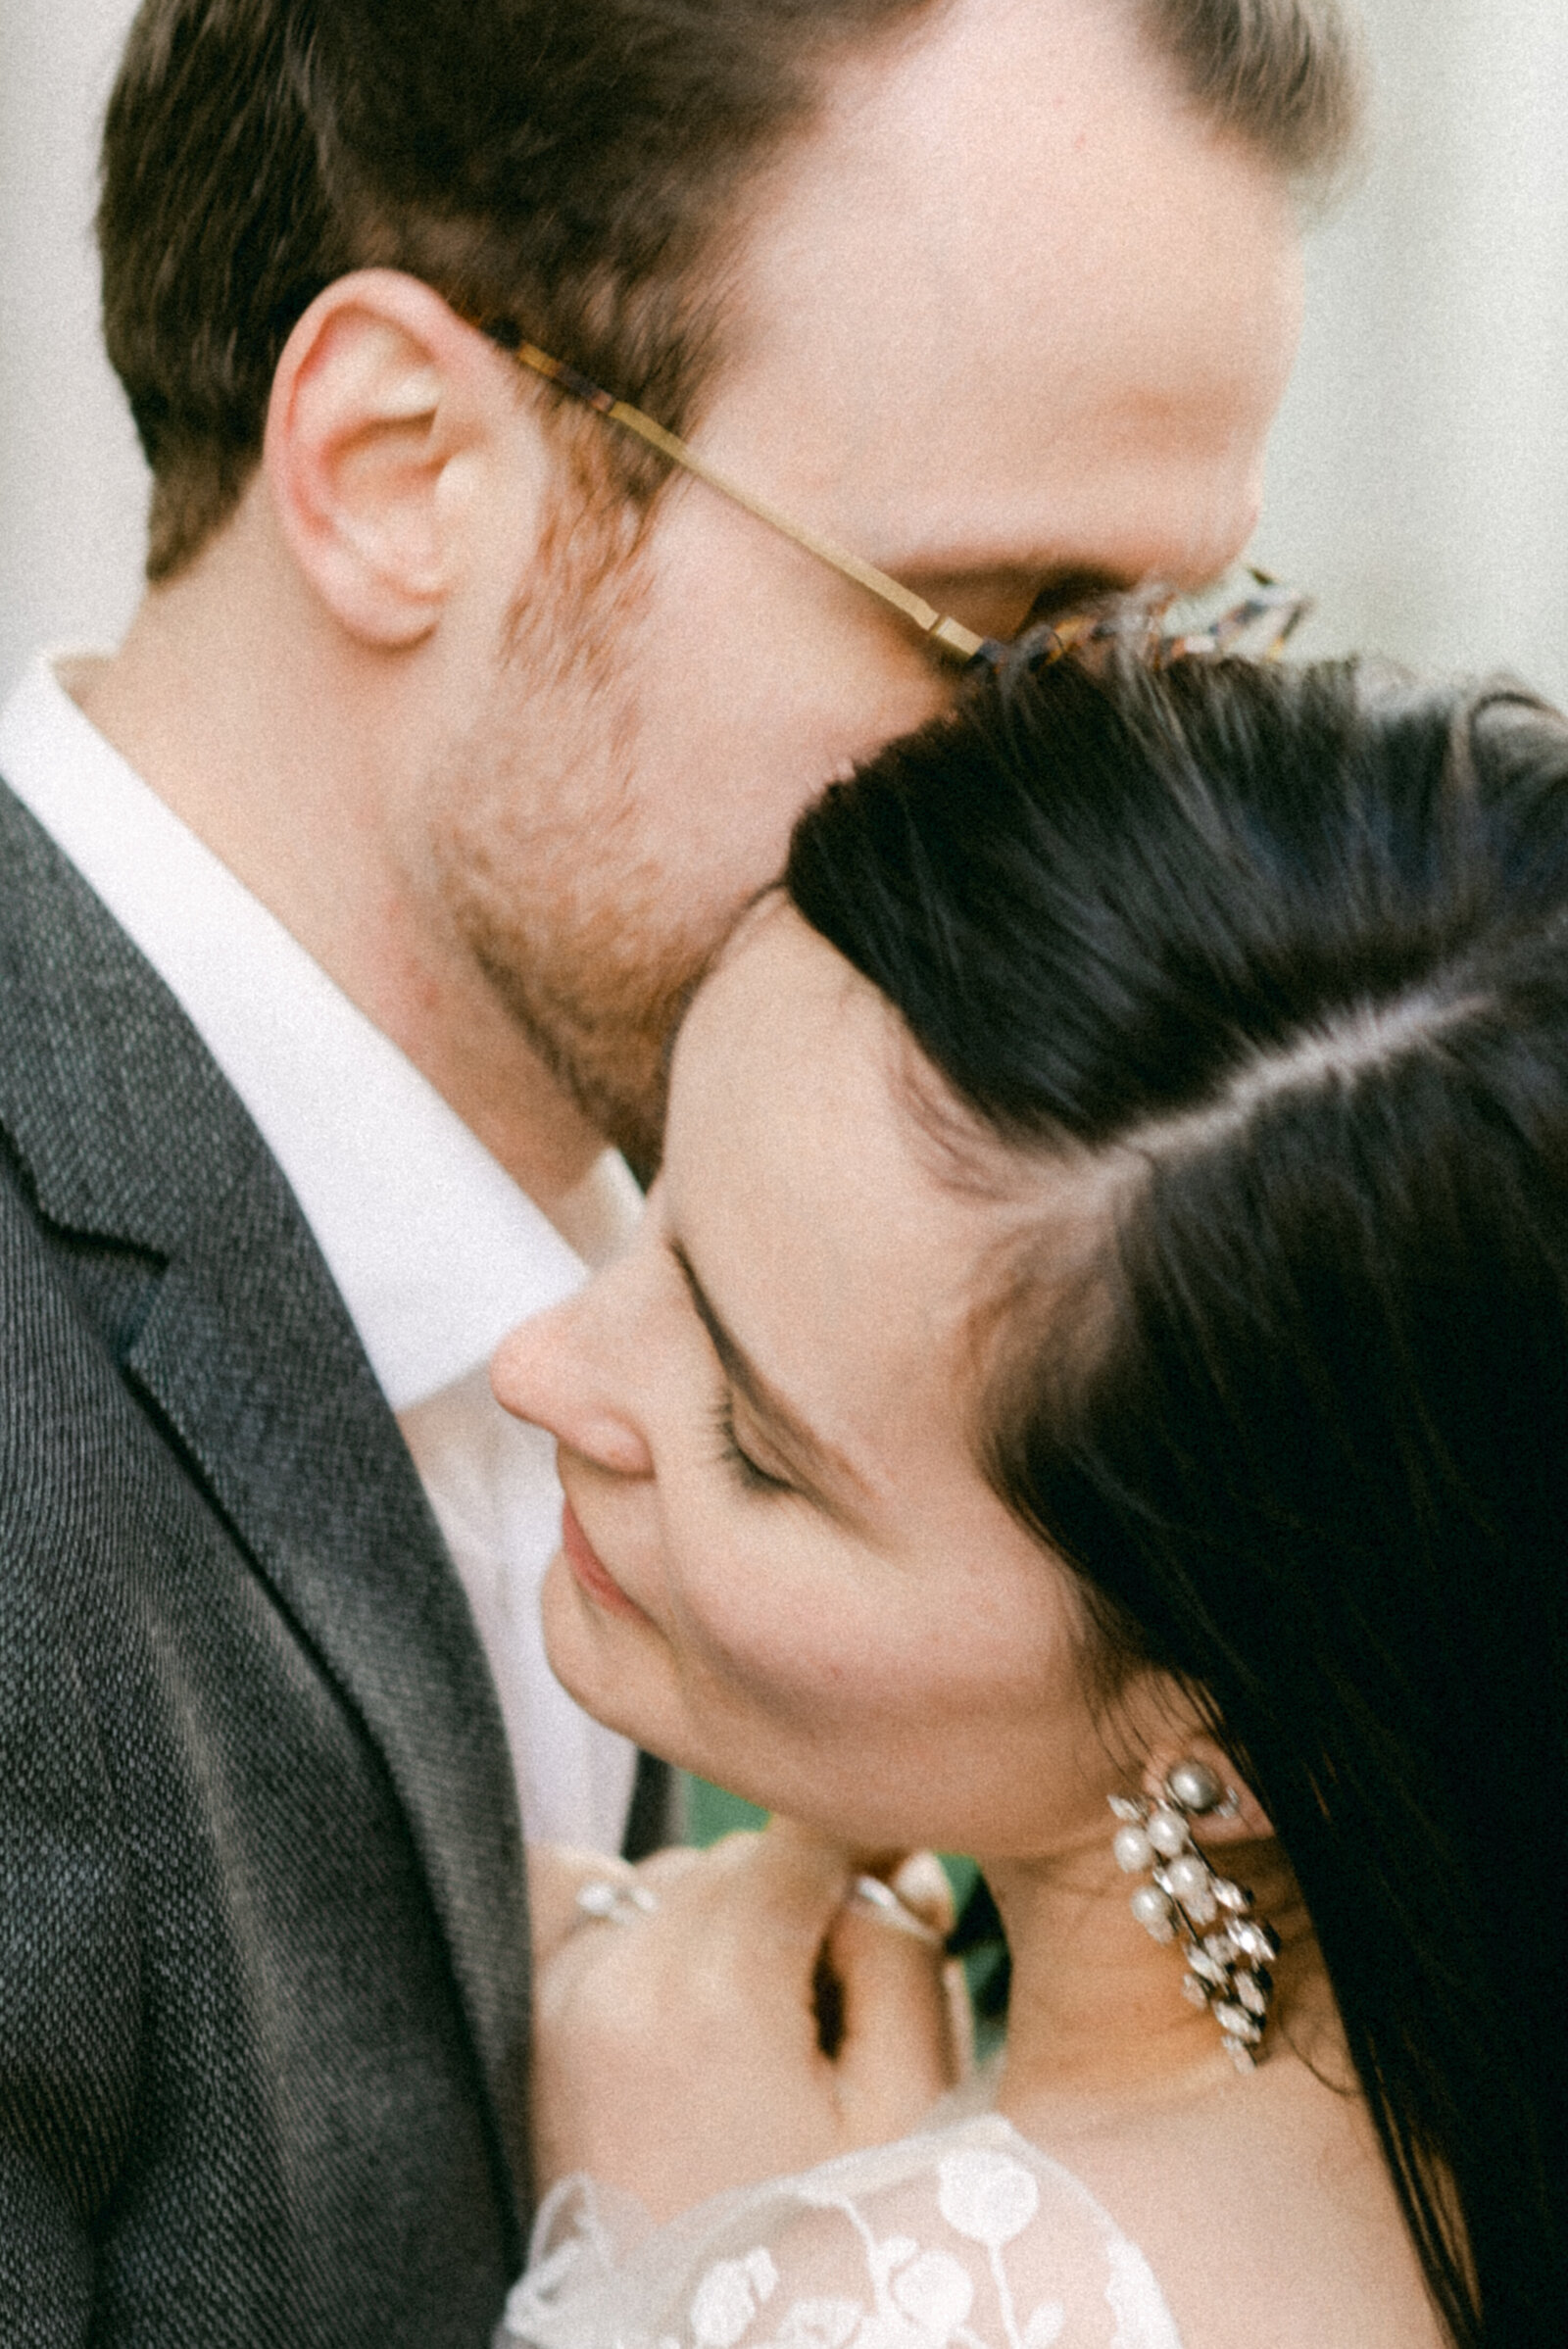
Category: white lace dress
<point>965,2238</point>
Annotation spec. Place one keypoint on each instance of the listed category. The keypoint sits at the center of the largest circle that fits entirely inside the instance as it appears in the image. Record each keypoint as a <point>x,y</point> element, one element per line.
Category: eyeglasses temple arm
<point>950,634</point>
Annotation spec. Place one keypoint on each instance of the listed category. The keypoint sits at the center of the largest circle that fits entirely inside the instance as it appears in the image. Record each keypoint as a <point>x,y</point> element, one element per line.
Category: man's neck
<point>288,760</point>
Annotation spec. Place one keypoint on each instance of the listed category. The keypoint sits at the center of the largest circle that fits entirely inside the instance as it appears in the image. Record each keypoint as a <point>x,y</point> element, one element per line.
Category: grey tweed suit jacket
<point>263,1993</point>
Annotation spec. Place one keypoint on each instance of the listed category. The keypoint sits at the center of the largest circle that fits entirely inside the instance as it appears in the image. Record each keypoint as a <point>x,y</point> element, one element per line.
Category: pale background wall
<point>72,491</point>
<point>1419,481</point>
<point>1420,473</point>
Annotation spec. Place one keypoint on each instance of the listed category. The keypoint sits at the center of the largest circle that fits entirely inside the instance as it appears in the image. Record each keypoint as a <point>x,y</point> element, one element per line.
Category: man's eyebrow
<point>799,1445</point>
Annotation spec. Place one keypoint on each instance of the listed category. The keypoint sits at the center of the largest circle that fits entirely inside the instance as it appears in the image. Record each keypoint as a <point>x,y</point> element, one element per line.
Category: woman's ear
<point>385,410</point>
<point>1236,1816</point>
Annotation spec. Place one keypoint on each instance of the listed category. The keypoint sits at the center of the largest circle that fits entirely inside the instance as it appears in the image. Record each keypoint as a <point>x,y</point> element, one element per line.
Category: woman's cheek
<point>767,1645</point>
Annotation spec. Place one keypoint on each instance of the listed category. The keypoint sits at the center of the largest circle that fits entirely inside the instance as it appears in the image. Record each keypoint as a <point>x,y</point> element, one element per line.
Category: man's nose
<point>567,1372</point>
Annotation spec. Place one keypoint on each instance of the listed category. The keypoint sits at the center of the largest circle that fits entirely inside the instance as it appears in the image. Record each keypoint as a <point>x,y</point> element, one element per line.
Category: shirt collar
<point>435,1249</point>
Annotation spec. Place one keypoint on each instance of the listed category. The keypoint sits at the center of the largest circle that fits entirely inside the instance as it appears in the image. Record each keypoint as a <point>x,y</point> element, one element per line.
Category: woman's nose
<point>567,1370</point>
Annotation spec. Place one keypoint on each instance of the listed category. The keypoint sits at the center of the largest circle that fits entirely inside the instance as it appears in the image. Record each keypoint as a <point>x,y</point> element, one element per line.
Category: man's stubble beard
<point>544,858</point>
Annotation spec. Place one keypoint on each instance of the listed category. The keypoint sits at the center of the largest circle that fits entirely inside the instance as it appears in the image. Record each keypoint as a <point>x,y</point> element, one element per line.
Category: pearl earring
<point>1228,1951</point>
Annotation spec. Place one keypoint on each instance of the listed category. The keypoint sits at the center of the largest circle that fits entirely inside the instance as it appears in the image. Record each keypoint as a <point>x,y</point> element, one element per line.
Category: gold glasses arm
<point>950,633</point>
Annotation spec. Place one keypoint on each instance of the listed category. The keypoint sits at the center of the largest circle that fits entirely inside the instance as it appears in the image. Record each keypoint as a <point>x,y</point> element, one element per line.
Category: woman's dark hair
<point>1288,949</point>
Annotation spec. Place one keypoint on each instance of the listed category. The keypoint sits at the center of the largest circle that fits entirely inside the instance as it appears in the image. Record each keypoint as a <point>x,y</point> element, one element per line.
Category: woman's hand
<point>761,2018</point>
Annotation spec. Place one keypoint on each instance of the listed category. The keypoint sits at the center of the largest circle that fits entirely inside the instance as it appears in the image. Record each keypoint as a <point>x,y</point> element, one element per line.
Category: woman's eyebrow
<point>821,1463</point>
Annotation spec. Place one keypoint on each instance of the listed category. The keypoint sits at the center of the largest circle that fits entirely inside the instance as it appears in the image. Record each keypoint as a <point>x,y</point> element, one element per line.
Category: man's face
<point>1009,320</point>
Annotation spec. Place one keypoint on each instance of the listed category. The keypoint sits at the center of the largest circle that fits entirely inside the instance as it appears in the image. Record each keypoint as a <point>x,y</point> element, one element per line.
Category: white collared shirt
<point>436,1251</point>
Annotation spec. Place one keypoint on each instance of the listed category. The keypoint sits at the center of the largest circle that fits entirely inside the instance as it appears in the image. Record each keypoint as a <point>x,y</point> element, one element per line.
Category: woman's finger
<point>921,1884</point>
<point>558,1874</point>
<point>897,2054</point>
<point>766,1902</point>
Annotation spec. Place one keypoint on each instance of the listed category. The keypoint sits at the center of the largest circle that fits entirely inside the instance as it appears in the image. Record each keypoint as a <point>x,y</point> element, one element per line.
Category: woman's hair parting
<point>1285,951</point>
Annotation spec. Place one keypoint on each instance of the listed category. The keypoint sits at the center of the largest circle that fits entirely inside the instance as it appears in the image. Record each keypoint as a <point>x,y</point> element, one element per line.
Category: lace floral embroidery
<point>922,2299</point>
<point>853,2256</point>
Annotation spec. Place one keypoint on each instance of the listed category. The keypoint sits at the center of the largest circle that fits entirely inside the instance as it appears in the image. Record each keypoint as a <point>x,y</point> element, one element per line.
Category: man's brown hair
<point>572,167</point>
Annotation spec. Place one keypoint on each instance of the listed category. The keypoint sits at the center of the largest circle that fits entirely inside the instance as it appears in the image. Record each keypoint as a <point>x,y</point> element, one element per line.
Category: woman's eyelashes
<point>741,1464</point>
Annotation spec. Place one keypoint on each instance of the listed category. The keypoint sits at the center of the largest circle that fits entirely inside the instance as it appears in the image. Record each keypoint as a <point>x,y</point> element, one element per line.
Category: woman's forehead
<point>796,1177</point>
<point>859,1219</point>
<point>787,1049</point>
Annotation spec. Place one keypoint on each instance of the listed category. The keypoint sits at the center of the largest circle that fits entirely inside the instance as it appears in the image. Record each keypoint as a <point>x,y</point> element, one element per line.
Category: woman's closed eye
<point>749,1472</point>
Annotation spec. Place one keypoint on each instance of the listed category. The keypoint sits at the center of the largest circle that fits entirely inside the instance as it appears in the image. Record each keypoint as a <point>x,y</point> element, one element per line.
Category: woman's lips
<point>589,1569</point>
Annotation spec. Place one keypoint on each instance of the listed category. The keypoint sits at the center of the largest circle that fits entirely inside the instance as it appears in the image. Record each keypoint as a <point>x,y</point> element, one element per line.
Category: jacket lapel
<point>130,1133</point>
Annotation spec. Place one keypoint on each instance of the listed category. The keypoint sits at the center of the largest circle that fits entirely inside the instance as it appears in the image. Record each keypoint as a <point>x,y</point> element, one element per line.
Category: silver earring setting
<point>1228,1950</point>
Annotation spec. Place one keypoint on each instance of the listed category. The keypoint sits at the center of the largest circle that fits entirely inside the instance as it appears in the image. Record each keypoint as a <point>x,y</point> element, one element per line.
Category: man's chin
<point>633,1123</point>
<point>612,1065</point>
<point>618,1069</point>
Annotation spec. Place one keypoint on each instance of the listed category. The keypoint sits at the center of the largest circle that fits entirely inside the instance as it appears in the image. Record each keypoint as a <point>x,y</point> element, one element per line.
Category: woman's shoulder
<point>965,2233</point>
<point>1262,2204</point>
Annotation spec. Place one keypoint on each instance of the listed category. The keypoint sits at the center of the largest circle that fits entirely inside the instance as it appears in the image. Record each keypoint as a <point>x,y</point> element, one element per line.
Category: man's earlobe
<point>383,409</point>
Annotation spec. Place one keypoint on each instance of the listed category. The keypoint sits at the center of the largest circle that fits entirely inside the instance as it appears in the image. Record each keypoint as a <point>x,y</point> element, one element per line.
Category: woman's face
<point>780,1566</point>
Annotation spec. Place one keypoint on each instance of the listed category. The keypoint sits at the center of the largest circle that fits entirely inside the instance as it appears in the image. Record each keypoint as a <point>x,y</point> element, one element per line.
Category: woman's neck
<point>1263,2205</point>
<point>1097,2020</point>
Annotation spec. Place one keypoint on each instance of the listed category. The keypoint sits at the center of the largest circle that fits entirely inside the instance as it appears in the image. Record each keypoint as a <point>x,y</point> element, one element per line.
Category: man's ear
<point>386,411</point>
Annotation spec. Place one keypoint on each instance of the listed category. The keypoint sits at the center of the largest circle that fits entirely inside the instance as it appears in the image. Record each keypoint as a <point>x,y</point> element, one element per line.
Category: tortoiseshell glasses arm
<point>1135,621</point>
<point>950,634</point>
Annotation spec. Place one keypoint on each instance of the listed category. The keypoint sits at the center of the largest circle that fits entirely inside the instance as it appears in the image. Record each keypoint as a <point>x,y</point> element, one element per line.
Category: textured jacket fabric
<point>263,1994</point>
